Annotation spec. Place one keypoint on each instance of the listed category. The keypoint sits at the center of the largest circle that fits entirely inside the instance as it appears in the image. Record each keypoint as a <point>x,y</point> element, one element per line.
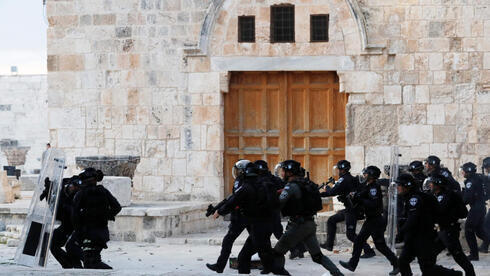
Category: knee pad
<point>317,258</point>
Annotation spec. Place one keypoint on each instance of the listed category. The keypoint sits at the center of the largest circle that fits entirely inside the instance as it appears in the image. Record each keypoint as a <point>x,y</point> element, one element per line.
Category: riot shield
<point>392,198</point>
<point>40,221</point>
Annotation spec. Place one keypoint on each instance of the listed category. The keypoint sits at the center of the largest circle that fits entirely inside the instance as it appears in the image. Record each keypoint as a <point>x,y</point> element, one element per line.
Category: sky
<point>22,36</point>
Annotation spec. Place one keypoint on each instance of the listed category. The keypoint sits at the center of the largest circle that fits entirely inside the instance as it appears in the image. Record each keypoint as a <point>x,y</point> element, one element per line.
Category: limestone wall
<point>144,77</point>
<point>23,116</point>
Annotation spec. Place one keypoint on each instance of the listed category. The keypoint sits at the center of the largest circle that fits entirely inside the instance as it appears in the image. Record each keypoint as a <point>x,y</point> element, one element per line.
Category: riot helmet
<point>251,170</point>
<point>239,168</point>
<point>262,166</point>
<point>90,176</point>
<point>370,173</point>
<point>468,169</point>
<point>415,166</point>
<point>292,166</point>
<point>486,164</point>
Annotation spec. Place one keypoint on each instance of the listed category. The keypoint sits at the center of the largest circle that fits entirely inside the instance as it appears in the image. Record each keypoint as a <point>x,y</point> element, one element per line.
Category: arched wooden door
<point>276,116</point>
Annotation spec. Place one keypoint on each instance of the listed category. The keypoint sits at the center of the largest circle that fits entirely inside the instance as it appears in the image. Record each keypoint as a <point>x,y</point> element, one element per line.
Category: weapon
<point>212,209</point>
<point>329,181</point>
<point>392,198</point>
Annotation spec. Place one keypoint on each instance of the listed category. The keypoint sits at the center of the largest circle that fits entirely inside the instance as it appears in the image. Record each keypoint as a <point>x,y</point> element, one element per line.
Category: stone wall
<point>144,77</point>
<point>23,119</point>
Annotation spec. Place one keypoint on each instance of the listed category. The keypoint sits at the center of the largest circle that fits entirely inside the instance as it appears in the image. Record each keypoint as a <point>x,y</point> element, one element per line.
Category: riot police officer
<point>451,209</point>
<point>371,199</point>
<point>266,176</point>
<point>486,183</point>
<point>256,202</point>
<point>93,207</point>
<point>63,235</point>
<point>300,200</point>
<point>473,196</point>
<point>433,166</point>
<point>418,231</point>
<point>238,222</point>
<point>343,187</point>
<point>416,169</point>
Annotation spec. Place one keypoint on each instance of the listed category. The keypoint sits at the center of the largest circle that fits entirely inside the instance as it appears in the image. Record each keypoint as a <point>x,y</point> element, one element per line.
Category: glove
<point>47,185</point>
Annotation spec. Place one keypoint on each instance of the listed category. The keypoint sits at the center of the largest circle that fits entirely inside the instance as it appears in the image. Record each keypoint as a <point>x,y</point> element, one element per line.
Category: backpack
<point>485,180</point>
<point>267,196</point>
<point>96,207</point>
<point>311,199</point>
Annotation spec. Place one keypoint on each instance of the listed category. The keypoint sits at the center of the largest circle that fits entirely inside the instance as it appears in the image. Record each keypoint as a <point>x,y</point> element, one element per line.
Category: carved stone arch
<point>215,8</point>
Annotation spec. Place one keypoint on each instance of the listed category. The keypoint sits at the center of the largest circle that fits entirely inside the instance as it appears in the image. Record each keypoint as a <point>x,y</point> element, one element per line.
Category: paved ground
<point>173,257</point>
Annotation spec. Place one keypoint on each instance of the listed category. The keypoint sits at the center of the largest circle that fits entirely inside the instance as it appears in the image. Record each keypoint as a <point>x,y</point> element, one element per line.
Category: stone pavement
<point>180,256</point>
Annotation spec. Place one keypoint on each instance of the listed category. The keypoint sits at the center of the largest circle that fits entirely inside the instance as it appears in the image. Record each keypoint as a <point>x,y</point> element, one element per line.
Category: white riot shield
<point>40,220</point>
<point>391,228</point>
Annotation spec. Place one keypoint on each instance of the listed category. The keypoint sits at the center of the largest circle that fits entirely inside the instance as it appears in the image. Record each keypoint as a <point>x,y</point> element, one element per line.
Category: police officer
<point>343,187</point>
<point>486,181</point>
<point>418,231</point>
<point>252,198</point>
<point>266,176</point>
<point>473,195</point>
<point>433,166</point>
<point>238,222</point>
<point>62,235</point>
<point>416,169</point>
<point>93,207</point>
<point>371,199</point>
<point>301,225</point>
<point>451,209</point>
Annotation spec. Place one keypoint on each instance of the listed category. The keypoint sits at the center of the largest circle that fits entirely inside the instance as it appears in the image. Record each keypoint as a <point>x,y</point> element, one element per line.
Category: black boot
<point>368,255</point>
<point>326,246</point>
<point>214,267</point>
<point>395,270</point>
<point>483,248</point>
<point>347,266</point>
<point>472,257</point>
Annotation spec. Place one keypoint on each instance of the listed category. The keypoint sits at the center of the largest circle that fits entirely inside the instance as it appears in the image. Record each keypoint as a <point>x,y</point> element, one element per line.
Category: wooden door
<point>276,116</point>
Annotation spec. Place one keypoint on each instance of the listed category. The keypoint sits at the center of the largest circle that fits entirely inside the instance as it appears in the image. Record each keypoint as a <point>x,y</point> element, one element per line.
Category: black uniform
<point>250,198</point>
<point>448,177</point>
<point>451,208</point>
<point>485,244</point>
<point>419,178</point>
<point>62,235</point>
<point>300,228</point>
<point>419,235</point>
<point>278,184</point>
<point>238,223</point>
<point>93,207</point>
<point>473,195</point>
<point>342,188</point>
<point>372,201</point>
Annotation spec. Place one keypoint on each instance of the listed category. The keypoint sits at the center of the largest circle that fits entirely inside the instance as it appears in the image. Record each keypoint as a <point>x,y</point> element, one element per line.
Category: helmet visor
<point>335,171</point>
<point>234,172</point>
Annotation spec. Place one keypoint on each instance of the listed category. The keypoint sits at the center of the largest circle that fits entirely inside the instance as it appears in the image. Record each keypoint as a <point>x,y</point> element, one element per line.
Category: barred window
<point>319,28</point>
<point>246,29</point>
<point>282,23</point>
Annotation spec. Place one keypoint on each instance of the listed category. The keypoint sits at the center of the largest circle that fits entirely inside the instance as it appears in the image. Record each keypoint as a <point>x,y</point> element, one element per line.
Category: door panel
<point>285,115</point>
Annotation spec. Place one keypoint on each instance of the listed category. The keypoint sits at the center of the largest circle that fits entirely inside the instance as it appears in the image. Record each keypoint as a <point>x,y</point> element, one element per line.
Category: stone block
<point>444,134</point>
<point>204,82</point>
<point>378,156</point>
<point>362,82</point>
<point>355,154</point>
<point>392,94</point>
<point>71,62</point>
<point>422,94</point>
<point>435,114</point>
<point>410,114</point>
<point>28,182</point>
<point>372,125</point>
<point>123,32</point>
<point>441,94</point>
<point>104,19</point>
<point>120,188</point>
<point>413,135</point>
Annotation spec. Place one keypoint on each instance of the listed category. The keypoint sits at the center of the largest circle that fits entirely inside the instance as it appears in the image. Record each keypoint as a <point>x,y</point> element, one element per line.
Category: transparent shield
<point>392,198</point>
<point>40,221</point>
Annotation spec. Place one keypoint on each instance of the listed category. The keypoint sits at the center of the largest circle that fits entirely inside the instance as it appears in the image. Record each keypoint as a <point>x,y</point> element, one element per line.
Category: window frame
<point>272,33</point>
<point>239,33</point>
<point>312,26</point>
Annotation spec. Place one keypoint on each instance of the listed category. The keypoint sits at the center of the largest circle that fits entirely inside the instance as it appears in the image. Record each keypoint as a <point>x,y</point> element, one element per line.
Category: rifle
<point>212,209</point>
<point>330,180</point>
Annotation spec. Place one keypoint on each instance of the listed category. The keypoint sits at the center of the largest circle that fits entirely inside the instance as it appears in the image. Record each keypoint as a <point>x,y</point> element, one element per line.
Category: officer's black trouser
<point>303,231</point>
<point>449,238</point>
<point>474,227</point>
<point>350,219</point>
<point>486,227</point>
<point>375,228</point>
<point>422,248</point>
<point>236,227</point>
<point>259,240</point>
<point>277,228</point>
<point>71,258</point>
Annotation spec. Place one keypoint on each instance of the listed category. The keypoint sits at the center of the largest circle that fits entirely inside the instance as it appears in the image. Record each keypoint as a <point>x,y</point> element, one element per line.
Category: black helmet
<point>372,171</point>
<point>415,165</point>
<point>405,180</point>
<point>239,168</point>
<point>251,169</point>
<point>436,180</point>
<point>486,163</point>
<point>468,168</point>
<point>291,166</point>
<point>343,165</point>
<point>261,166</point>
<point>433,160</point>
<point>91,176</point>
